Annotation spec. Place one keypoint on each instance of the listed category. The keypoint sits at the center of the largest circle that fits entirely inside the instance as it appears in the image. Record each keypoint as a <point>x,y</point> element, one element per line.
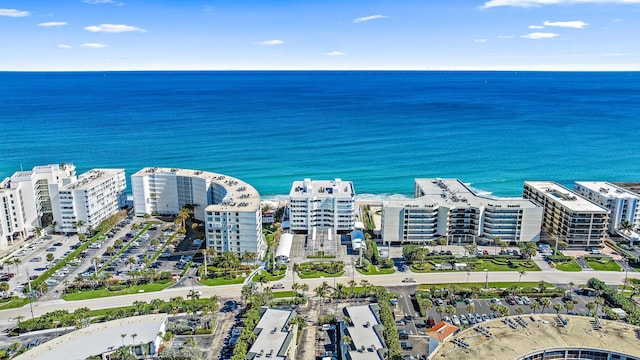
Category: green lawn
<point>93,294</point>
<point>284,294</point>
<point>516,265</point>
<point>222,281</point>
<point>570,266</point>
<point>269,276</point>
<point>608,265</point>
<point>318,274</point>
<point>13,303</point>
<point>374,270</point>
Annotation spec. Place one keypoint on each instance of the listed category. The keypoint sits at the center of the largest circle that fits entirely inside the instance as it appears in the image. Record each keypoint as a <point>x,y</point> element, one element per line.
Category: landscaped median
<point>474,264</point>
<point>602,263</point>
<point>318,269</point>
<point>111,291</point>
<point>374,270</point>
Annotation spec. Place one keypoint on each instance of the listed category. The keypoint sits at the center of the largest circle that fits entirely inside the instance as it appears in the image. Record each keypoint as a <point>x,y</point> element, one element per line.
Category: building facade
<point>95,196</point>
<point>623,205</point>
<point>324,204</point>
<point>573,219</point>
<point>448,208</point>
<point>229,207</point>
<point>25,200</point>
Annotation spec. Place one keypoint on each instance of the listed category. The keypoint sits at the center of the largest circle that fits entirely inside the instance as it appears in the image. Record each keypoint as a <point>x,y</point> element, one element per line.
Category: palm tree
<point>4,288</point>
<point>442,242</point>
<point>352,284</point>
<point>366,286</point>
<point>471,308</point>
<point>519,310</point>
<point>123,336</point>
<point>322,291</point>
<point>50,258</point>
<point>520,275</point>
<point>79,224</point>
<point>17,262</point>
<point>599,302</point>
<point>535,305</point>
<point>558,307</point>
<point>497,242</point>
<point>570,306</point>
<point>571,285</point>
<point>304,288</point>
<point>591,306</point>
<point>441,309</point>
<point>38,231</point>
<point>545,303</point>
<point>626,227</point>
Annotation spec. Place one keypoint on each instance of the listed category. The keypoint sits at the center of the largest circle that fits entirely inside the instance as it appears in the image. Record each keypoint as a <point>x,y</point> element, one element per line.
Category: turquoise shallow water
<point>379,129</point>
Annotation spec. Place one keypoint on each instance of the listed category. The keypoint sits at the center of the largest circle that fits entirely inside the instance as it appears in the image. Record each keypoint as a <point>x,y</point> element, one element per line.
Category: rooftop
<point>565,197</point>
<point>363,334</point>
<point>453,193</point>
<point>98,338</point>
<point>607,189</point>
<point>322,188</point>
<point>507,343</point>
<point>92,178</point>
<point>239,194</point>
<point>442,331</point>
<point>274,330</point>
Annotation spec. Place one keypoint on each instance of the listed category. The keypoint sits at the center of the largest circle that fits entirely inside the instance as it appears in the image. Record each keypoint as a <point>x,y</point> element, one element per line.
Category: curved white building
<point>229,207</point>
<point>283,253</point>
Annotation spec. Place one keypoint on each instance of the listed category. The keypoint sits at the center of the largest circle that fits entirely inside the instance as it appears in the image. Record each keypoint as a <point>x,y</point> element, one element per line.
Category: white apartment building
<point>448,208</point>
<point>324,204</point>
<point>96,195</point>
<point>275,336</point>
<point>622,204</point>
<point>575,220</point>
<point>25,201</point>
<point>229,207</point>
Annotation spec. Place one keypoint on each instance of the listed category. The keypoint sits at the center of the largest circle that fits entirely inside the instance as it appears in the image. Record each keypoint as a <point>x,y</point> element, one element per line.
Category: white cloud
<point>539,35</point>
<point>369,18</point>
<point>539,3</point>
<point>93,45</point>
<point>568,24</point>
<point>479,40</point>
<point>618,20</point>
<point>113,28</point>
<point>536,27</point>
<point>13,13</point>
<point>64,46</point>
<point>99,1</point>
<point>53,23</point>
<point>335,53</point>
<point>271,42</point>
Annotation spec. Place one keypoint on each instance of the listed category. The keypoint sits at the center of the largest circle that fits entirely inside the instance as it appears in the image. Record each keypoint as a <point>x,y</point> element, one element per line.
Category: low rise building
<point>367,342</point>
<point>25,200</point>
<point>568,216</point>
<point>229,207</point>
<point>324,204</point>
<point>448,208</point>
<point>623,204</point>
<point>95,196</point>
<point>275,336</point>
<point>144,333</point>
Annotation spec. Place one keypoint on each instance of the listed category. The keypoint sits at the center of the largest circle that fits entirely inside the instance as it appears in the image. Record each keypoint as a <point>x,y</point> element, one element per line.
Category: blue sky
<point>327,34</point>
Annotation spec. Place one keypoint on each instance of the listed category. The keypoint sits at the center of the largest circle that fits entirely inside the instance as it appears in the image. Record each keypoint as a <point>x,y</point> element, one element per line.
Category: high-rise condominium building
<point>324,204</point>
<point>95,196</point>
<point>571,218</point>
<point>229,207</point>
<point>448,208</point>
<point>622,204</point>
<point>25,201</point>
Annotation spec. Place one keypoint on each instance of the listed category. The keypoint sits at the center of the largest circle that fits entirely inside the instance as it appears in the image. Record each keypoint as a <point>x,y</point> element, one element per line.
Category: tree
<point>542,286</point>
<point>50,258</point>
<point>79,224</point>
<point>497,242</point>
<point>442,242</point>
<point>558,307</point>
<point>4,288</point>
<point>626,227</point>
<point>599,302</point>
<point>545,303</point>
<point>38,231</point>
<point>441,309</point>
<point>347,341</point>
<point>535,305</point>
<point>17,262</point>
<point>122,336</point>
<point>591,305</point>
<point>570,306</point>
<point>322,291</point>
<point>520,275</point>
<point>519,310</point>
<point>528,249</point>
<point>471,308</point>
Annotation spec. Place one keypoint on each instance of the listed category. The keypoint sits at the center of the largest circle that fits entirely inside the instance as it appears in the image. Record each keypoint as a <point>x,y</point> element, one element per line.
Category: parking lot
<point>123,252</point>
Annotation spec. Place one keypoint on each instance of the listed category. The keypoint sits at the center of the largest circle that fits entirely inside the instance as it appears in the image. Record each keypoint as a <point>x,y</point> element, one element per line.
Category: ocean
<point>379,129</point>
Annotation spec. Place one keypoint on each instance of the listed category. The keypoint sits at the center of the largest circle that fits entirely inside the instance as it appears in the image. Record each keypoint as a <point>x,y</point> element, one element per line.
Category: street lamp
<point>486,278</point>
<point>626,271</point>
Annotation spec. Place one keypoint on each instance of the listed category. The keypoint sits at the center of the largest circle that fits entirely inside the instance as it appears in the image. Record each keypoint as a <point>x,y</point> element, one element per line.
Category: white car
<point>455,319</point>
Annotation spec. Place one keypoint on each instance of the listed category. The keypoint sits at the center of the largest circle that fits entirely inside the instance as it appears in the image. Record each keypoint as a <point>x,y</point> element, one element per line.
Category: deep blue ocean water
<point>381,130</point>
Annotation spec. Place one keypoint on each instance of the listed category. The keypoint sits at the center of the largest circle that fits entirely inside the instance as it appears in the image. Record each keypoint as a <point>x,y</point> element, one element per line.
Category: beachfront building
<point>366,333</point>
<point>448,208</point>
<point>91,199</point>
<point>229,207</point>
<point>144,333</point>
<point>323,204</point>
<point>623,204</point>
<point>25,201</point>
<point>275,335</point>
<point>571,218</point>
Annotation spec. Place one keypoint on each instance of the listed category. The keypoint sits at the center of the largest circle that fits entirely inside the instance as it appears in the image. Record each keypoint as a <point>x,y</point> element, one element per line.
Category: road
<point>233,291</point>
